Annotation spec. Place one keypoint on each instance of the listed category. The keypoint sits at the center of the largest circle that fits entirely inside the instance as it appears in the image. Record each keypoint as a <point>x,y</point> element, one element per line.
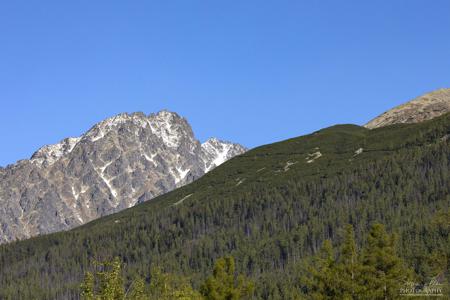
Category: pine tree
<point>384,272</point>
<point>159,284</point>
<point>379,275</point>
<point>106,284</point>
<point>165,286</point>
<point>111,281</point>
<point>137,290</point>
<point>87,287</point>
<point>322,274</point>
<point>223,284</point>
<point>349,268</point>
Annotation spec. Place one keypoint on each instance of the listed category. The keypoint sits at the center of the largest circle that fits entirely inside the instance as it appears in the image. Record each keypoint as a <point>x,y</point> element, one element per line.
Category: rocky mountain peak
<point>51,153</point>
<point>102,128</point>
<point>168,126</point>
<point>217,151</point>
<point>171,128</point>
<point>423,108</point>
<point>122,160</point>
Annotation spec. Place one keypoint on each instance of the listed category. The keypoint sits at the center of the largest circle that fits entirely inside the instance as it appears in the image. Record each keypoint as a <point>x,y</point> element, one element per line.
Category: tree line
<point>375,272</point>
<point>108,283</point>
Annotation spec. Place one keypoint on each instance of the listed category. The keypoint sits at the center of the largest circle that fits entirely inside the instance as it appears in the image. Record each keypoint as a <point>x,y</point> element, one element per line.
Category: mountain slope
<point>121,161</point>
<point>423,108</point>
<point>270,208</point>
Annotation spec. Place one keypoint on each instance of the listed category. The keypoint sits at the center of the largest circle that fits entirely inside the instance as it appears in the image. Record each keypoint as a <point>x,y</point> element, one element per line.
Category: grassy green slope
<point>270,208</point>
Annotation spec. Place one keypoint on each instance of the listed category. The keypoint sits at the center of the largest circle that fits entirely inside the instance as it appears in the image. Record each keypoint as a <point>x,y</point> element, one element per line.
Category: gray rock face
<point>215,152</point>
<point>424,108</point>
<point>119,162</point>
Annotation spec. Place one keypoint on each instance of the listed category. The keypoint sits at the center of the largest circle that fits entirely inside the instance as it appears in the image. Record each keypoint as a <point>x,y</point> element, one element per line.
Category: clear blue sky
<point>253,72</point>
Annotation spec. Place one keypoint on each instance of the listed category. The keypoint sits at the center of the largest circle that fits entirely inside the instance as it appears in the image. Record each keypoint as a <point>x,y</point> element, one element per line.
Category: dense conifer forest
<point>375,272</point>
<point>278,210</point>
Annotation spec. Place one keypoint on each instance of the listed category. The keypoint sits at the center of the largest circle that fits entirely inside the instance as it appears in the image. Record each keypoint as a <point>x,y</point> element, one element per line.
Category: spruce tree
<point>224,285</point>
<point>349,267</point>
<point>111,281</point>
<point>137,290</point>
<point>322,274</point>
<point>164,286</point>
<point>384,272</point>
<point>87,287</point>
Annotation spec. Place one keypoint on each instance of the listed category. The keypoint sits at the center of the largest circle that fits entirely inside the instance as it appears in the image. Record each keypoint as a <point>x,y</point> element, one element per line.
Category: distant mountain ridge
<point>129,159</point>
<point>425,107</point>
<point>270,208</point>
<point>123,160</point>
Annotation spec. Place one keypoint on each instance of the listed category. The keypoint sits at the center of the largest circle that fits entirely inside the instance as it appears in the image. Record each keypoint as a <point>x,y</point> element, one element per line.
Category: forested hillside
<point>271,209</point>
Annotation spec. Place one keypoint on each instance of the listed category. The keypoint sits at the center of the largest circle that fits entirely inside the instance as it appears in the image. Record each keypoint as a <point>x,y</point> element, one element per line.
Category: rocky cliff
<point>121,161</point>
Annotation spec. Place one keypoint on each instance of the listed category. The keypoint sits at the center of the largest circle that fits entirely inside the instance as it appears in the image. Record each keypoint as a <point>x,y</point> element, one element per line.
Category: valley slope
<point>271,208</point>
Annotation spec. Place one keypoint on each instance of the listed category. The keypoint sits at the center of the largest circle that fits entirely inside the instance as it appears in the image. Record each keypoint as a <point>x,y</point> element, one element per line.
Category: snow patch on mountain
<point>52,153</point>
<point>216,152</point>
<point>101,129</point>
<point>166,125</point>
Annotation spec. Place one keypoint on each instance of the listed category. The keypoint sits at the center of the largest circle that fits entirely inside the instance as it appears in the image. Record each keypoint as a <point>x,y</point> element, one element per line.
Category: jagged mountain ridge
<point>270,208</point>
<point>425,107</point>
<point>121,161</point>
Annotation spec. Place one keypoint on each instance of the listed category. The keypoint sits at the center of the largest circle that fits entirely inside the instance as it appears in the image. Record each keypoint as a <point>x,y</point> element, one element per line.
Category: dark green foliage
<point>105,283</point>
<point>270,215</point>
<point>88,287</point>
<point>109,284</point>
<point>350,270</point>
<point>375,274</point>
<point>164,286</point>
<point>223,284</point>
<point>322,276</point>
<point>384,273</point>
<point>137,289</point>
